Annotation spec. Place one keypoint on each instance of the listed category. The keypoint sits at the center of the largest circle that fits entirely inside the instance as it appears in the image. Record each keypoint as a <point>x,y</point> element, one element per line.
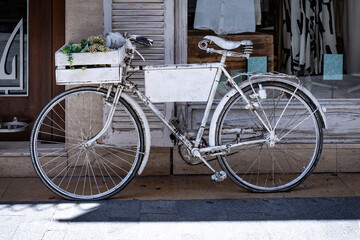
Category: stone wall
<point>86,18</point>
<point>83,18</point>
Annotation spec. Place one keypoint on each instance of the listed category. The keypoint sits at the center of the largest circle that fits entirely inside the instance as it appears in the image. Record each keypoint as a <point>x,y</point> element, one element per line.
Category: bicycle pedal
<point>219,176</point>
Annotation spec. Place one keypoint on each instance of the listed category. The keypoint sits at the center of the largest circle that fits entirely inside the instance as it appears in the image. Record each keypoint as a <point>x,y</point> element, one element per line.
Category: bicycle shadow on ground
<point>220,210</point>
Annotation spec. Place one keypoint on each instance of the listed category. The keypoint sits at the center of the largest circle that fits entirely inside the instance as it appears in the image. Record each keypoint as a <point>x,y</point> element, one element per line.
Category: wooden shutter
<point>153,19</point>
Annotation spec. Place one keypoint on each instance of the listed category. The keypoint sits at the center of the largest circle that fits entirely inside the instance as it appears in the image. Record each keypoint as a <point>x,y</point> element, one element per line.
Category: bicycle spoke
<point>72,174</point>
<point>118,157</point>
<point>65,153</point>
<point>270,168</point>
<point>128,149</point>
<point>66,165</point>
<point>100,157</point>
<point>102,174</point>
<point>260,106</point>
<point>68,169</point>
<point>297,125</point>
<point>100,161</point>
<point>292,96</point>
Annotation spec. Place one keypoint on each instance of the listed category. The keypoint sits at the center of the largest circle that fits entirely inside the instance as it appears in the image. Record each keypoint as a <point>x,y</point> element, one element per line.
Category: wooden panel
<point>138,6</point>
<point>144,1</point>
<point>139,18</point>
<point>138,25</point>
<point>149,18</point>
<point>45,35</point>
<point>138,12</point>
<point>139,31</point>
<point>58,38</point>
<point>263,46</point>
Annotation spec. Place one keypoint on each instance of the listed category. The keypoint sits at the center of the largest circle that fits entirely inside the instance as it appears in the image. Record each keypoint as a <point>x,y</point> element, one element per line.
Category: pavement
<point>325,206</point>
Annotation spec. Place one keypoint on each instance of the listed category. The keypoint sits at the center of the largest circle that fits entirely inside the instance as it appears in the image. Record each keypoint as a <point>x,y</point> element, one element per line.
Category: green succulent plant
<point>92,44</point>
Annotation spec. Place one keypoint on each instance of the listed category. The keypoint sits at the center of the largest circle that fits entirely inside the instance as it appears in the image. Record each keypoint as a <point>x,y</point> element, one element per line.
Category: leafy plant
<point>92,44</point>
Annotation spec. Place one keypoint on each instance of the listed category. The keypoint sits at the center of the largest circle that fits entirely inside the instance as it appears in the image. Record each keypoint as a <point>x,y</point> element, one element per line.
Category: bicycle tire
<point>72,170</point>
<point>272,168</point>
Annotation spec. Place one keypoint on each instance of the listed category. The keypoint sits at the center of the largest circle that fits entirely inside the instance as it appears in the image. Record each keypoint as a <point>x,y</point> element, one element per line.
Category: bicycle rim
<point>262,167</point>
<point>73,170</point>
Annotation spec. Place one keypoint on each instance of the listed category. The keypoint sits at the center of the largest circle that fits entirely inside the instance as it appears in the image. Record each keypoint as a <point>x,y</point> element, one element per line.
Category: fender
<point>261,79</point>
<point>146,127</point>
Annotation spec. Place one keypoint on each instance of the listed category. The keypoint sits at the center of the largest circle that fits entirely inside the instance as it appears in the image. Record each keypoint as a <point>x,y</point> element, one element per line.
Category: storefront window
<point>318,41</point>
<point>13,48</point>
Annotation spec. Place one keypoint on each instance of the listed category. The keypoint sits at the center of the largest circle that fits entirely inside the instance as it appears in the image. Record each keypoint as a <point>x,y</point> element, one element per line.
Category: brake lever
<point>141,56</point>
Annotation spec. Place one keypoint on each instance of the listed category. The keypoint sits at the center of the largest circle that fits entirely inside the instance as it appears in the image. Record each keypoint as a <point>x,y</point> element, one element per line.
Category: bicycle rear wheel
<point>73,170</point>
<point>270,166</point>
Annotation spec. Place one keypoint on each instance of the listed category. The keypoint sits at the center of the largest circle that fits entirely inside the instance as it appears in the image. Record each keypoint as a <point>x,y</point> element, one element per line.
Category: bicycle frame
<point>194,147</point>
<point>266,132</point>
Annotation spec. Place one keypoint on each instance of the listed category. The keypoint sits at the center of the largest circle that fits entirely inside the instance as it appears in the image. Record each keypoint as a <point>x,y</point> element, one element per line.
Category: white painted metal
<point>118,136</point>
<point>88,76</point>
<point>109,118</point>
<point>226,44</point>
<point>166,83</point>
<point>146,128</point>
<point>112,57</point>
<point>179,83</point>
<point>193,146</point>
<point>232,92</point>
<point>91,75</point>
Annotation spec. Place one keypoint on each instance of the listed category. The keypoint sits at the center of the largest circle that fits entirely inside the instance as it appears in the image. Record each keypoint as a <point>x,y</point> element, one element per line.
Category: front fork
<point>110,116</point>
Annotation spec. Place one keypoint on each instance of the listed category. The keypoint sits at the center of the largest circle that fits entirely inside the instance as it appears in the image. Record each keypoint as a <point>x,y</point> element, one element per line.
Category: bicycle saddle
<point>227,44</point>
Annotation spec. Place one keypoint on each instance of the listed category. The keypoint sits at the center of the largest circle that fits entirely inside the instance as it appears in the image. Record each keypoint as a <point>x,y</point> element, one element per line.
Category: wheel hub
<point>271,138</point>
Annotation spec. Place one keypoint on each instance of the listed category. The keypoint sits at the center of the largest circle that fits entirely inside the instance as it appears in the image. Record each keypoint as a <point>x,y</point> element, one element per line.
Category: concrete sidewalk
<point>185,207</point>
<point>188,188</point>
<point>274,218</point>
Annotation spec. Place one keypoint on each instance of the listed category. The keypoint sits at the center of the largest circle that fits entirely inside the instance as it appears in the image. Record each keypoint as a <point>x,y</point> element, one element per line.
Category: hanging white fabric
<point>352,36</point>
<point>309,33</point>
<point>257,11</point>
<point>226,16</point>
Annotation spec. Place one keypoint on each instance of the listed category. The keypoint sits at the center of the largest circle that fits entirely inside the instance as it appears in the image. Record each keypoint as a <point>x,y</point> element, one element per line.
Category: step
<point>15,160</point>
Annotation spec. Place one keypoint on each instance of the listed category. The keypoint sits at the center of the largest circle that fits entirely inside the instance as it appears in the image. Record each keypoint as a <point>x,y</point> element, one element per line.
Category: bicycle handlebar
<point>142,40</point>
<point>116,40</point>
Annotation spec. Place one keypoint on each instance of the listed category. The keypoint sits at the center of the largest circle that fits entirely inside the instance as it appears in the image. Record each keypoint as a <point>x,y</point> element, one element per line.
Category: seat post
<point>223,57</point>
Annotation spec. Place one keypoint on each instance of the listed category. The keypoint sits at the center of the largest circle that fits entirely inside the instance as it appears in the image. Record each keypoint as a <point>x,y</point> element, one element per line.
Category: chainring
<point>186,155</point>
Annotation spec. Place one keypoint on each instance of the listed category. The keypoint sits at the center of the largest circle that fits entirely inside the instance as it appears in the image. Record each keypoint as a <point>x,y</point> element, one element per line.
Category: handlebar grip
<point>145,41</point>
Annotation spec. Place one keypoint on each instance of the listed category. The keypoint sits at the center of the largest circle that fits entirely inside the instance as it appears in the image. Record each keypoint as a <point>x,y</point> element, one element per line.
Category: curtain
<point>227,16</point>
<point>351,33</point>
<point>308,33</point>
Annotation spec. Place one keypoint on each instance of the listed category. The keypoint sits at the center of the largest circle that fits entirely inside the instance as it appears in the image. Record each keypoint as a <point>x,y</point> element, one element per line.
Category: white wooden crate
<point>180,83</point>
<point>111,73</point>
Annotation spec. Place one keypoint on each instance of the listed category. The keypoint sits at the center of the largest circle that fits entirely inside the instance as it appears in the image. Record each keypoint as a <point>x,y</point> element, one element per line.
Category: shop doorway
<point>42,32</point>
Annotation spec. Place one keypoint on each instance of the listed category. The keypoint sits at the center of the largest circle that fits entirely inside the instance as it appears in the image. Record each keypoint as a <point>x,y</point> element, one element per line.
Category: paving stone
<point>79,212</point>
<point>124,230</point>
<point>88,231</point>
<point>125,211</point>
<point>52,235</point>
<point>292,217</point>
<point>29,231</point>
<point>158,207</point>
<point>8,226</point>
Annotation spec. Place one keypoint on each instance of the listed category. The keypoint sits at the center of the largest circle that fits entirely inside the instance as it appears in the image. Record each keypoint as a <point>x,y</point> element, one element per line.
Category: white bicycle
<point>266,132</point>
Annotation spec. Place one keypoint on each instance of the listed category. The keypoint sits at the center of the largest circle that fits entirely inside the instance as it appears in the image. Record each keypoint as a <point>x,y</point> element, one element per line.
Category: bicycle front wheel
<point>271,162</point>
<point>74,170</point>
